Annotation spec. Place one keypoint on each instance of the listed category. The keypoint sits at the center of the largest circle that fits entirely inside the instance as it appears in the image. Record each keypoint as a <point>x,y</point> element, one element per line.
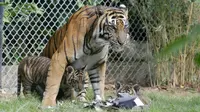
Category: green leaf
<point>6,20</point>
<point>80,3</point>
<point>4,3</point>
<point>177,45</point>
<point>22,10</point>
<point>90,2</point>
<point>174,47</point>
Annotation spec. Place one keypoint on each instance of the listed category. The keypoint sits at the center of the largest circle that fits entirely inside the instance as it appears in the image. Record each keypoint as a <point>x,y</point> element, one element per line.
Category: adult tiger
<point>32,74</point>
<point>83,43</point>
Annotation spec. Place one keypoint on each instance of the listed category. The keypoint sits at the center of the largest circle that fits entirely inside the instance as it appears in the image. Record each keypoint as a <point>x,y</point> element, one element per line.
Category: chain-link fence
<point>153,23</point>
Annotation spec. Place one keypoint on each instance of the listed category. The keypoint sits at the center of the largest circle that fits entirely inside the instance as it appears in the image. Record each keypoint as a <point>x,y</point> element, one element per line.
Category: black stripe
<point>101,23</point>
<point>114,9</point>
<point>102,60</point>
<point>91,32</point>
<point>69,21</point>
<point>19,83</point>
<point>33,63</point>
<point>90,75</point>
<point>86,82</point>
<point>93,27</point>
<point>104,24</point>
<point>96,89</point>
<point>74,47</point>
<point>66,53</point>
<point>49,49</point>
<point>61,39</point>
<point>95,66</point>
<point>98,50</point>
<point>115,12</point>
<point>86,44</point>
<point>55,41</point>
<point>91,78</point>
<point>95,81</point>
<point>91,15</point>
<point>83,11</point>
<point>82,92</point>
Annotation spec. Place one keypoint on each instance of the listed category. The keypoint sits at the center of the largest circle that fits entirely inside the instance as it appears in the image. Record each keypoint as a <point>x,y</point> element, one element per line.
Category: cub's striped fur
<point>32,74</point>
<point>127,88</point>
<point>83,43</point>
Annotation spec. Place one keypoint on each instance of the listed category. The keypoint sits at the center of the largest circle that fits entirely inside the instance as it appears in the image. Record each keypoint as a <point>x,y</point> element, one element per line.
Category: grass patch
<point>182,101</point>
<point>161,101</point>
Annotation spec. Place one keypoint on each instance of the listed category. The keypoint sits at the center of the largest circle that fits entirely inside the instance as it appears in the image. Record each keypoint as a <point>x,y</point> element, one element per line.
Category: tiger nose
<point>122,38</point>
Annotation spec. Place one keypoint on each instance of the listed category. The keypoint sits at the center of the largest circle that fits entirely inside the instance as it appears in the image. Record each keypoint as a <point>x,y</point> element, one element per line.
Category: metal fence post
<point>1,38</point>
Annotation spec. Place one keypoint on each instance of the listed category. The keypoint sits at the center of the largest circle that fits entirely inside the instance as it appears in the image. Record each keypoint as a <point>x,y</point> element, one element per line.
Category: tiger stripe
<point>84,44</point>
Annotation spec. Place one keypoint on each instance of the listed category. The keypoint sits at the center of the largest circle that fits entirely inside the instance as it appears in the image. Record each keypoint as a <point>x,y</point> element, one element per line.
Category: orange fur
<point>68,41</point>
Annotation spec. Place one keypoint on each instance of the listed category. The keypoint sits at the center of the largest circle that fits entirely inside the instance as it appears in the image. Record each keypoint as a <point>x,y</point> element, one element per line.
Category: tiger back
<point>32,71</point>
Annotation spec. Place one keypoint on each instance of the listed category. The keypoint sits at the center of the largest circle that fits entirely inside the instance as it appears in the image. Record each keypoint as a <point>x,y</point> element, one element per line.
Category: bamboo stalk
<point>190,16</point>
<point>183,61</point>
<point>175,75</point>
<point>192,47</point>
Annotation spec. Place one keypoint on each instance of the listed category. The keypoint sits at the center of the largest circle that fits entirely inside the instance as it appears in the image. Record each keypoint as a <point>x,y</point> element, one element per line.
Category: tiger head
<point>127,88</point>
<point>74,78</point>
<point>72,83</point>
<point>113,28</point>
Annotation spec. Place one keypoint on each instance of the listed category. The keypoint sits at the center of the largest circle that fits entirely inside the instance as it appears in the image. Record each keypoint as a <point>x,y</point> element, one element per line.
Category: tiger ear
<point>123,7</point>
<point>100,10</point>
<point>118,85</point>
<point>70,69</point>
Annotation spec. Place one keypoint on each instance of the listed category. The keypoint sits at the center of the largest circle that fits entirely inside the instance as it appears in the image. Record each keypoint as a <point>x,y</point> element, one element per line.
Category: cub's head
<point>113,27</point>
<point>72,79</point>
<point>127,88</point>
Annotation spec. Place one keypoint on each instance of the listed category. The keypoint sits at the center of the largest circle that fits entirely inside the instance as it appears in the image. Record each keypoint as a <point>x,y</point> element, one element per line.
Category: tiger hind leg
<point>19,85</point>
<point>40,90</point>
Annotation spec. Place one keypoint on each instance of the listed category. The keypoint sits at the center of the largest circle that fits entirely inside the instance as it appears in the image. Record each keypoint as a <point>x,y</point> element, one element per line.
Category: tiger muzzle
<point>122,38</point>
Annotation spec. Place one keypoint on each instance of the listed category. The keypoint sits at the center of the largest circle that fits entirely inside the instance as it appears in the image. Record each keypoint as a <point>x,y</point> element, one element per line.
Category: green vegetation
<point>22,10</point>
<point>161,101</point>
<point>173,32</point>
<point>174,102</point>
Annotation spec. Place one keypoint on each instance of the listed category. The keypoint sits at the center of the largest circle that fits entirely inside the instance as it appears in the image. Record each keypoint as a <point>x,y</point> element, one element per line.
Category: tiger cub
<point>132,90</point>
<point>32,74</point>
<point>126,88</point>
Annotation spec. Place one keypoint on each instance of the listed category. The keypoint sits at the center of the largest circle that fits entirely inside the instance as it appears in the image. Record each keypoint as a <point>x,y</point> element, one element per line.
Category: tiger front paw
<point>98,98</point>
<point>48,103</point>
